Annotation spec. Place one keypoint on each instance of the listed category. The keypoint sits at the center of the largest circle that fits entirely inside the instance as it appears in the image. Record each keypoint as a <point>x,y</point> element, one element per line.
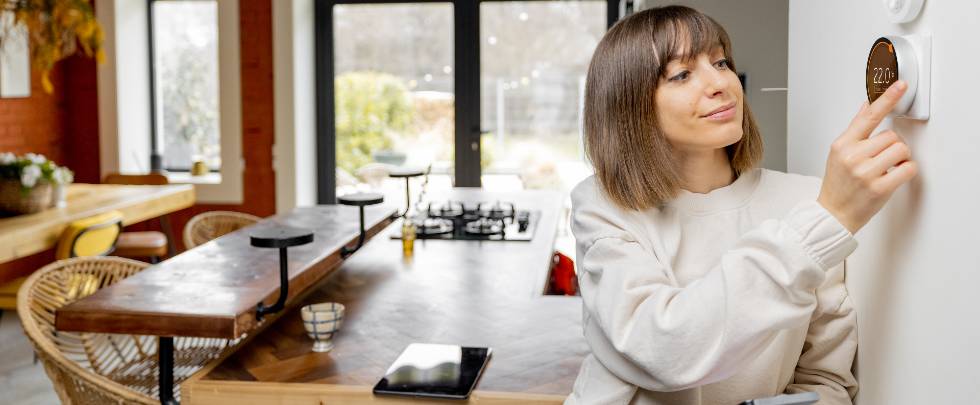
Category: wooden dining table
<point>25,235</point>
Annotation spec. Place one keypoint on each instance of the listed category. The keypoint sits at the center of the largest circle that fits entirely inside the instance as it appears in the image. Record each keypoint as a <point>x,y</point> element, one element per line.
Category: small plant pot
<point>199,168</point>
<point>13,198</point>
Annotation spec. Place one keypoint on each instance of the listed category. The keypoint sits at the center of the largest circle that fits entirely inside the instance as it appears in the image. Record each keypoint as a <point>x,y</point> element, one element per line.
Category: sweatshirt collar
<point>723,198</point>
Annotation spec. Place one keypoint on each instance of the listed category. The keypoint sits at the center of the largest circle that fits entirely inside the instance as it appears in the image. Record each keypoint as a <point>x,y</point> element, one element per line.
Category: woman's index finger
<point>868,118</point>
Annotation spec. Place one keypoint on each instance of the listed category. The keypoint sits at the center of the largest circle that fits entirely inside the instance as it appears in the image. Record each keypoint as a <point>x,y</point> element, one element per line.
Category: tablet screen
<point>433,370</point>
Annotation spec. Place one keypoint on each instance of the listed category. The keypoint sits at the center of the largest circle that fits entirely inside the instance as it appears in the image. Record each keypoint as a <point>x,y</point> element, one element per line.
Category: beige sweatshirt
<point>714,298</point>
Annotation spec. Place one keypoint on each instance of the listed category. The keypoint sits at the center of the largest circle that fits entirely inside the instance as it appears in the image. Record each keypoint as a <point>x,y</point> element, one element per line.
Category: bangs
<point>685,35</point>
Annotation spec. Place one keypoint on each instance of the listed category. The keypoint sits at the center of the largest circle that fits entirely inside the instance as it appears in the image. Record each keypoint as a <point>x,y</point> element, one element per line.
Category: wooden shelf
<point>213,289</point>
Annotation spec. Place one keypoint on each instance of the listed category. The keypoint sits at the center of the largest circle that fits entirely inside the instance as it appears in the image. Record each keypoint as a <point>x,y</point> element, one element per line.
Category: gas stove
<point>458,220</point>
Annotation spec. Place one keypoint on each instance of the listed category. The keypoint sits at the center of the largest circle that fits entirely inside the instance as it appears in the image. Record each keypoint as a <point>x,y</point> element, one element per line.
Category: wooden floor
<point>21,381</point>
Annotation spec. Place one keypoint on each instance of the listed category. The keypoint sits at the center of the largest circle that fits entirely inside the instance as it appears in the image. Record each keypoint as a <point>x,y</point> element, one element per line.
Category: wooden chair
<point>92,368</point>
<point>93,236</point>
<point>146,244</point>
<point>212,224</point>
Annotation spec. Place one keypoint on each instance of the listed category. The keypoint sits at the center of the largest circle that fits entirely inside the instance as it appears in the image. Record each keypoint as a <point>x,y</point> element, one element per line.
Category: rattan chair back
<point>206,226</point>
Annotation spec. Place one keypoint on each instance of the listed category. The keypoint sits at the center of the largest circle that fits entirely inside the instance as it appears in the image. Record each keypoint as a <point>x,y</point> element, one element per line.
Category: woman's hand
<point>863,171</point>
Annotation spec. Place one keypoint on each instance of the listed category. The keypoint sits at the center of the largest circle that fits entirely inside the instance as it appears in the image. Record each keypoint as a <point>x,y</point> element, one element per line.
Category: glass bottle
<point>408,236</point>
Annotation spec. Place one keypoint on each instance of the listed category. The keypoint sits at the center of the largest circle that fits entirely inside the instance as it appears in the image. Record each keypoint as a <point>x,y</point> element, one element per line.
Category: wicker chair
<point>93,368</point>
<point>212,224</point>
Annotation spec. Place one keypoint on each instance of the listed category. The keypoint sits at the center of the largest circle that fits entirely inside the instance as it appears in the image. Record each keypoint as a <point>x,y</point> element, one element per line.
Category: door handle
<point>475,145</point>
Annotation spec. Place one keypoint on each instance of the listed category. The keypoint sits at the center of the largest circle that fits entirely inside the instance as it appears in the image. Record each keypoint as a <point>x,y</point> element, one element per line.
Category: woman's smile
<point>725,114</point>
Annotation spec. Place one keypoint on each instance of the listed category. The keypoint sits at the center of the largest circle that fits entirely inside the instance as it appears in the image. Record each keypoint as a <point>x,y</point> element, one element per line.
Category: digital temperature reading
<point>906,58</point>
<point>882,68</point>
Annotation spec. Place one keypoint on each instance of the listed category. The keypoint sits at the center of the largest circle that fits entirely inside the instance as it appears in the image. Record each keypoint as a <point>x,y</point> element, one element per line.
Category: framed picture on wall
<point>15,62</point>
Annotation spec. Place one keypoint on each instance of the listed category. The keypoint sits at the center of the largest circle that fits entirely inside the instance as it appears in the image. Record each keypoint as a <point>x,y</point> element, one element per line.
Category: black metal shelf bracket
<point>407,174</point>
<point>282,238</point>
<point>360,200</point>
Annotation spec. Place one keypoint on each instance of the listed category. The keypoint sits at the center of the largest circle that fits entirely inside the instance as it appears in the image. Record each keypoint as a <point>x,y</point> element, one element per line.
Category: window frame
<point>224,186</point>
<point>156,154</point>
<point>466,66</point>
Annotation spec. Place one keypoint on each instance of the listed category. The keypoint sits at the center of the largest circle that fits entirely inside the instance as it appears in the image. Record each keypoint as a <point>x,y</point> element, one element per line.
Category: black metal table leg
<point>165,351</point>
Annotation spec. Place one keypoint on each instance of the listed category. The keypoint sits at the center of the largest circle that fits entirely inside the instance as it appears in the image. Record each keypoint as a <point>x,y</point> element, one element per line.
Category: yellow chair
<point>92,236</point>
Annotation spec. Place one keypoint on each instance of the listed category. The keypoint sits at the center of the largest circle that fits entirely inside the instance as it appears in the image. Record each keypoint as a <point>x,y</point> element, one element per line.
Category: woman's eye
<point>680,76</point>
<point>724,62</point>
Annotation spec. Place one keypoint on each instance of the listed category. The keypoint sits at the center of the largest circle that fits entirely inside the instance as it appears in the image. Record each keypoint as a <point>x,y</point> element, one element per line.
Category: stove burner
<point>496,211</point>
<point>450,209</point>
<point>433,226</point>
<point>485,226</point>
<point>490,220</point>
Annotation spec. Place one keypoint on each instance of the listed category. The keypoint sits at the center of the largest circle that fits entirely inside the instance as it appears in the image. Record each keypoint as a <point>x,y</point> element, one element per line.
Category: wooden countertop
<point>478,293</point>
<point>213,289</point>
<point>25,235</point>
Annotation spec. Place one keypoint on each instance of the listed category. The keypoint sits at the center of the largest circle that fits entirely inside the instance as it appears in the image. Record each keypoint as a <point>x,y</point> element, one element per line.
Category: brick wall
<point>64,127</point>
<point>36,123</point>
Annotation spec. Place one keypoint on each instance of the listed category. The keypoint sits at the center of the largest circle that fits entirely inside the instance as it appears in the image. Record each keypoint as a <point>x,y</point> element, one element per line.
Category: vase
<point>199,168</point>
<point>59,196</point>
<point>13,199</point>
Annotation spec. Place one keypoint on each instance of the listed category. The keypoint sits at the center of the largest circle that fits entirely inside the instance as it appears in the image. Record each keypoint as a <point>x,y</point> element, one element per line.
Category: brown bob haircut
<point>635,165</point>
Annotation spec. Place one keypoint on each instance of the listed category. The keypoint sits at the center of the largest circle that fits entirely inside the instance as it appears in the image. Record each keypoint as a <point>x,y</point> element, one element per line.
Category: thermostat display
<point>882,68</point>
<point>894,58</point>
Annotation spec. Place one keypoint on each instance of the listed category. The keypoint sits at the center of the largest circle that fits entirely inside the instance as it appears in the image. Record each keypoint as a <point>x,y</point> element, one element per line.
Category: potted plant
<point>26,182</point>
<point>55,30</point>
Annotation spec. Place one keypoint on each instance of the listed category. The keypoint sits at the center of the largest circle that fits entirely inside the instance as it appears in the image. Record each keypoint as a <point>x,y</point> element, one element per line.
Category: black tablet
<point>436,371</point>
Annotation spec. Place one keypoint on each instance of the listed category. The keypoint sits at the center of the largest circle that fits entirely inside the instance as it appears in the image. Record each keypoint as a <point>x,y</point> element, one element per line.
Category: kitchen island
<point>471,293</point>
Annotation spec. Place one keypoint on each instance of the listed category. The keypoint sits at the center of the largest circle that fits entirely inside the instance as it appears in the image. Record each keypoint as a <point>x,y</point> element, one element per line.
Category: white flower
<point>63,176</point>
<point>30,175</point>
<point>7,158</point>
<point>36,158</point>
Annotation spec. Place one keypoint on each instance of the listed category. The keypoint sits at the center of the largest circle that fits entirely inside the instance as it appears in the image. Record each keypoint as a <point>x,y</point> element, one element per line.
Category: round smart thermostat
<point>892,58</point>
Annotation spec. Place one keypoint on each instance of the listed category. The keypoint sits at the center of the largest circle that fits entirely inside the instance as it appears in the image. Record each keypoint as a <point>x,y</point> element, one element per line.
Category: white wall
<point>757,29</point>
<point>914,277</point>
<point>294,153</point>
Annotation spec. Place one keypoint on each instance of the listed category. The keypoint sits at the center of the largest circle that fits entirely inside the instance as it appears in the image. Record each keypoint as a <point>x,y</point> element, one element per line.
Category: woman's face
<point>689,93</point>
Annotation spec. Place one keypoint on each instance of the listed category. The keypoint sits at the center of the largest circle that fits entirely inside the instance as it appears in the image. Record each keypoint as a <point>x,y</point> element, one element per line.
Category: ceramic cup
<point>321,322</point>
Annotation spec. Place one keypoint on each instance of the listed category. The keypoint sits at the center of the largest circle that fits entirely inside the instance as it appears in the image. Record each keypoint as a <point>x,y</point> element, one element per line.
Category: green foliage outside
<point>371,108</point>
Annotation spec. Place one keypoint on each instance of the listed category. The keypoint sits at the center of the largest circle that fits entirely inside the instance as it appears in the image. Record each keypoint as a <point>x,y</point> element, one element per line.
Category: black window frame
<point>466,64</point>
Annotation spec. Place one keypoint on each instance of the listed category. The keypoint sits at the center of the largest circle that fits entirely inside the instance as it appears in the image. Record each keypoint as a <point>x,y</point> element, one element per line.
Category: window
<point>186,119</point>
<point>393,92</point>
<point>486,93</point>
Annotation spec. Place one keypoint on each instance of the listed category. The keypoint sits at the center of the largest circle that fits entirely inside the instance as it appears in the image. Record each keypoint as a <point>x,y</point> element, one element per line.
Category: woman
<point>705,280</point>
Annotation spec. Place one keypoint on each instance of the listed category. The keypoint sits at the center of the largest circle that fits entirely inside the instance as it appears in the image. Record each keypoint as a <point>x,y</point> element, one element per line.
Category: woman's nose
<point>715,82</point>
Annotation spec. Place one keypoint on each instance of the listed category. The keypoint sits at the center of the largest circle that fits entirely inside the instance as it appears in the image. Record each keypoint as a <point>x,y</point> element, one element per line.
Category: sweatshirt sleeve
<point>652,333</point>
<point>831,344</point>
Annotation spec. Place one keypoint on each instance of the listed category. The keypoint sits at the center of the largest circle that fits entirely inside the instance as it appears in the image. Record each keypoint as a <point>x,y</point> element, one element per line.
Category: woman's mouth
<point>723,114</point>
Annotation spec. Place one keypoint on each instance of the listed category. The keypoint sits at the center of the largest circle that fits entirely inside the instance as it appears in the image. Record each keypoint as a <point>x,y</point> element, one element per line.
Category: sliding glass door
<point>534,56</point>
<point>485,93</point>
